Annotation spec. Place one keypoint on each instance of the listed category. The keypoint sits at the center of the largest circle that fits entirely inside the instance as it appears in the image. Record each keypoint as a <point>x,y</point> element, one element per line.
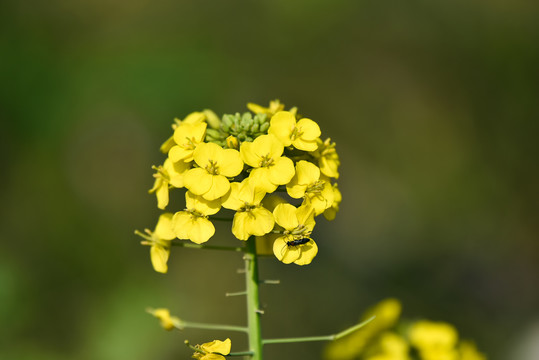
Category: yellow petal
<point>163,229</point>
<point>285,215</point>
<point>229,162</point>
<point>159,256</point>
<point>217,346</point>
<point>175,171</point>
<point>231,200</point>
<point>205,152</point>
<point>194,118</point>
<point>239,228</point>
<point>201,230</point>
<point>283,252</point>
<point>162,195</point>
<point>248,155</point>
<point>282,171</point>
<point>305,145</point>
<point>308,252</point>
<point>198,181</point>
<point>201,205</point>
<point>220,186</point>
<point>181,224</point>
<point>281,125</point>
<point>305,216</point>
<point>178,153</point>
<point>260,178</point>
<point>307,172</point>
<point>309,129</point>
<point>262,222</point>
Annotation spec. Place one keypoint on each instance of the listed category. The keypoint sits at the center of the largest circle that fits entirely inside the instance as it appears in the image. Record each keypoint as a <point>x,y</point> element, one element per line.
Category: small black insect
<point>298,242</point>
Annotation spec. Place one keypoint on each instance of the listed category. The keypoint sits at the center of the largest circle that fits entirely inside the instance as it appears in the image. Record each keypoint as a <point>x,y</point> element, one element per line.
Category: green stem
<point>319,338</point>
<point>194,325</point>
<point>241,353</point>
<point>207,247</point>
<point>253,303</point>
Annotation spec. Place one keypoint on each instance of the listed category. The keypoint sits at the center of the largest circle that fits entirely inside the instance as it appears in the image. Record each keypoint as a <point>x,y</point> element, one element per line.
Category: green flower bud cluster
<point>244,127</point>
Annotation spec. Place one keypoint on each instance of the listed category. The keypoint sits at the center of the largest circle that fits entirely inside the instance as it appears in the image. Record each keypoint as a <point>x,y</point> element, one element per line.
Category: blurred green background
<point>434,108</point>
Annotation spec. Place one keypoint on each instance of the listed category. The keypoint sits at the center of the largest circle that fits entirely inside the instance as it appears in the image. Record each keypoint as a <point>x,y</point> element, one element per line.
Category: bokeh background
<point>434,108</point>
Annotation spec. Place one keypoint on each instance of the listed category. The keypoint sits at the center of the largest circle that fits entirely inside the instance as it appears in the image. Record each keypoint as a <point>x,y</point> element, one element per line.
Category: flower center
<point>316,187</point>
<point>266,161</point>
<point>299,232</point>
<point>189,144</point>
<point>212,167</point>
<point>296,133</point>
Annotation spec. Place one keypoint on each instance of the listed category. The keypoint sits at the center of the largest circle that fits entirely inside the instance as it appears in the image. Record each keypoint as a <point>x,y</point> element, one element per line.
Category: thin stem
<point>194,325</point>
<point>253,304</point>
<point>241,353</point>
<point>208,247</point>
<point>319,338</point>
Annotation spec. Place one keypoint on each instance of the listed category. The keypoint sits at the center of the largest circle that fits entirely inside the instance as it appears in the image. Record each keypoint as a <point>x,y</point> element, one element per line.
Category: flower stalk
<point>253,302</point>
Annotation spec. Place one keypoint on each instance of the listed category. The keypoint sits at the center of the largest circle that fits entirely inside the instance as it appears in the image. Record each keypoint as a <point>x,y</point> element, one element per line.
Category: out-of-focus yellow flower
<point>328,159</point>
<point>214,350</point>
<point>270,169</point>
<point>250,218</point>
<point>187,136</point>
<point>331,212</point>
<point>274,106</point>
<point>468,351</point>
<point>295,246</point>
<point>216,164</point>
<point>193,224</point>
<point>307,184</point>
<point>193,118</point>
<point>159,242</point>
<point>302,134</point>
<point>390,346</point>
<point>168,174</point>
<point>167,322</point>
<point>387,313</point>
<point>434,340</point>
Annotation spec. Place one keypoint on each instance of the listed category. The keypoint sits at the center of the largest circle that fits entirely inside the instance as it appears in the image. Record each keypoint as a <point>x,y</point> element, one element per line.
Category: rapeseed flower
<point>215,350</point>
<point>192,223</point>
<point>327,158</point>
<point>309,185</point>
<point>187,136</point>
<point>167,175</point>
<point>302,134</point>
<point>159,242</point>
<point>215,164</point>
<point>295,245</point>
<point>331,212</point>
<point>251,218</point>
<point>270,168</point>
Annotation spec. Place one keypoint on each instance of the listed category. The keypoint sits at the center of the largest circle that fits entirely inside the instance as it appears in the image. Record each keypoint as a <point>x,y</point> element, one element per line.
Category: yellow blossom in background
<point>295,245</point>
<point>215,164</point>
<point>387,313</point>
<point>270,169</point>
<point>274,106</point>
<point>167,322</point>
<point>251,218</point>
<point>468,351</point>
<point>193,224</point>
<point>331,212</point>
<point>390,346</point>
<point>433,337</point>
<point>187,136</point>
<point>302,134</point>
<point>307,183</point>
<point>214,350</point>
<point>327,157</point>
<point>159,242</point>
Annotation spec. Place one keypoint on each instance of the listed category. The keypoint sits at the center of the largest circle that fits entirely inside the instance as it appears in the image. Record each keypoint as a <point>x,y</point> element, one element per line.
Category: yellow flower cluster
<point>238,162</point>
<point>387,339</point>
